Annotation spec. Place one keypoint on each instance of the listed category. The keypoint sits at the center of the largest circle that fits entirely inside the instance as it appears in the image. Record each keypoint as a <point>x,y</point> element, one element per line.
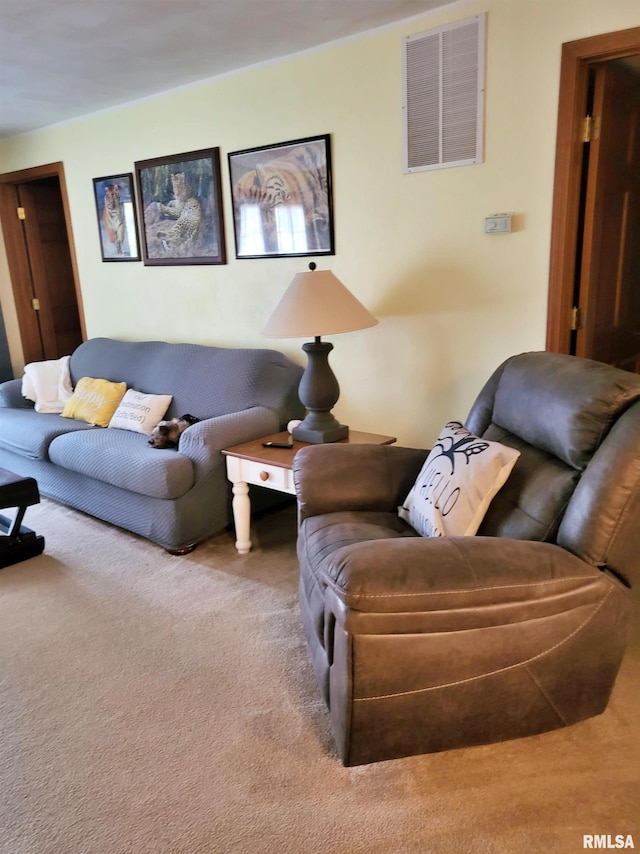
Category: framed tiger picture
<point>181,200</point>
<point>282,199</point>
<point>117,225</point>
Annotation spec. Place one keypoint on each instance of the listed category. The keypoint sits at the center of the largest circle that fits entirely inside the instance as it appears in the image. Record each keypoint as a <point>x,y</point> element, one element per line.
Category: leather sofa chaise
<point>422,644</point>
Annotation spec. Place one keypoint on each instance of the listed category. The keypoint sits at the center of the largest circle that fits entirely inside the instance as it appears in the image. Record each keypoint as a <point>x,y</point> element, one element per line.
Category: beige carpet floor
<point>162,705</point>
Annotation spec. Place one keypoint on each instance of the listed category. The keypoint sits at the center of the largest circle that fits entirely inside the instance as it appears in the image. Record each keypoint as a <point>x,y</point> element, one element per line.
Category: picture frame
<point>117,220</point>
<point>181,208</point>
<point>283,199</point>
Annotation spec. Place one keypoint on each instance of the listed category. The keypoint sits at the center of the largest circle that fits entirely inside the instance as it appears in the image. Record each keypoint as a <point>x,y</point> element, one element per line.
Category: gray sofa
<point>174,498</point>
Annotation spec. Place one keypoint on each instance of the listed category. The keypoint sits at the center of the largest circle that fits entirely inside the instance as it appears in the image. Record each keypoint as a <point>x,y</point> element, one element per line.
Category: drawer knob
<point>264,475</point>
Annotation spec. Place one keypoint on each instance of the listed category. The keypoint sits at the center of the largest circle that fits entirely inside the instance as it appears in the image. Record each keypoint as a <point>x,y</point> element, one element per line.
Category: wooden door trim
<point>577,56</point>
<point>15,263</point>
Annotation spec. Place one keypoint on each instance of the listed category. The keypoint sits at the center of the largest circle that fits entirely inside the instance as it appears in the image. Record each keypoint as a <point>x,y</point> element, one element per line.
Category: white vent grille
<point>444,96</point>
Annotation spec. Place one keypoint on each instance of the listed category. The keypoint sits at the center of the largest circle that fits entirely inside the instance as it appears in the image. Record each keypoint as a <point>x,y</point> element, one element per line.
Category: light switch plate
<point>497,224</point>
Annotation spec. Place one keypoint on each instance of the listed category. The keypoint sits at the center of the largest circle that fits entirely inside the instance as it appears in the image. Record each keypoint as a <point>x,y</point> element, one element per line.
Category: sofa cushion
<point>29,433</point>
<point>94,401</point>
<point>124,459</point>
<point>140,412</point>
<point>456,484</point>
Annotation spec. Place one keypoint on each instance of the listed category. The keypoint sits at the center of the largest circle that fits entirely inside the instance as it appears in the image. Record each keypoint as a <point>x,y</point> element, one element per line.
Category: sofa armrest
<point>336,477</point>
<point>202,442</point>
<point>11,396</point>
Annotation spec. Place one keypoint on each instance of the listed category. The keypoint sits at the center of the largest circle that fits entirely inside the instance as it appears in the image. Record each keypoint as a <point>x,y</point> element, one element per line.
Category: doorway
<point>39,244</point>
<point>594,291</point>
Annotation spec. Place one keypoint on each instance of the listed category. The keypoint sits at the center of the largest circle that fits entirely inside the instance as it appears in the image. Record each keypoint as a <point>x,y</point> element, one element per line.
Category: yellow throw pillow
<point>94,401</point>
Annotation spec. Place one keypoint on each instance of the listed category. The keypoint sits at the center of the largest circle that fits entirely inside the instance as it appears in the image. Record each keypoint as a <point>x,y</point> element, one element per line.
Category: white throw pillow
<point>140,412</point>
<point>457,483</point>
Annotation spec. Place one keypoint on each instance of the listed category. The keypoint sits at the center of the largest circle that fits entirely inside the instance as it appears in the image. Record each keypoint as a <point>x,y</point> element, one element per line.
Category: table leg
<point>241,504</point>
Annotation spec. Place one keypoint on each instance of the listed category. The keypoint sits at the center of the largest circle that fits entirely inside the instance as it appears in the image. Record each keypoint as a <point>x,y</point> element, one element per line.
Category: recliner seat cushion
<point>124,459</point>
<point>448,583</point>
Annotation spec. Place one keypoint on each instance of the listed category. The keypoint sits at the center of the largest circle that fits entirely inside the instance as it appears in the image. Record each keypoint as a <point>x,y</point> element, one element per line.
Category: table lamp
<point>315,304</point>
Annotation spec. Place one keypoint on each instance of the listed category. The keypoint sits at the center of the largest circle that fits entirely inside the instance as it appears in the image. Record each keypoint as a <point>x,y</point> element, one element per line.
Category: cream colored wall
<point>452,302</point>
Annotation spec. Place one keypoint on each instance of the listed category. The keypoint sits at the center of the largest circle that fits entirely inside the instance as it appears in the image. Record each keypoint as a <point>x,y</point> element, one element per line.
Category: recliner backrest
<point>577,481</point>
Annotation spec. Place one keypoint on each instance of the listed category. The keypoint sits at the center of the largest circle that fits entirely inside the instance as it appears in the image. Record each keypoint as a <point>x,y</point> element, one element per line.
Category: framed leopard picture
<point>181,201</point>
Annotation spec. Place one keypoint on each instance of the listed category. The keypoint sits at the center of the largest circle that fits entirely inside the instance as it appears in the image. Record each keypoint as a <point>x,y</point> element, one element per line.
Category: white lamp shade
<point>315,304</point>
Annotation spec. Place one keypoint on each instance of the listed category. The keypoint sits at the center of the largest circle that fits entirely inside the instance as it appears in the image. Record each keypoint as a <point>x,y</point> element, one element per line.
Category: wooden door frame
<point>577,56</point>
<point>14,241</point>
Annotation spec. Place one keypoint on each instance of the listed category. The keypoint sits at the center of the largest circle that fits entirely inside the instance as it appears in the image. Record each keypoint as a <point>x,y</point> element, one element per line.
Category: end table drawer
<point>273,477</point>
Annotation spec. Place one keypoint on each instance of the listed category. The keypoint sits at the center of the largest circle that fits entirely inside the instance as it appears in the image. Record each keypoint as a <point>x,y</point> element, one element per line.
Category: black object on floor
<point>17,542</point>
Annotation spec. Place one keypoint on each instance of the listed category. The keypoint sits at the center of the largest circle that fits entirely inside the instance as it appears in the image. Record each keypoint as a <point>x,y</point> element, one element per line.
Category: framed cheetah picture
<point>282,199</point>
<point>181,201</point>
<point>117,226</point>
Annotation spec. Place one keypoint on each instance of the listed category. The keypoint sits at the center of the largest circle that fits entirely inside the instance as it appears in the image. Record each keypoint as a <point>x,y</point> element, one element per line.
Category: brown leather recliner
<point>425,644</point>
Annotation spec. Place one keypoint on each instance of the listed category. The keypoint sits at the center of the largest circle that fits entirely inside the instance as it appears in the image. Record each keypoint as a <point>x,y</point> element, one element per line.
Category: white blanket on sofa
<point>48,384</point>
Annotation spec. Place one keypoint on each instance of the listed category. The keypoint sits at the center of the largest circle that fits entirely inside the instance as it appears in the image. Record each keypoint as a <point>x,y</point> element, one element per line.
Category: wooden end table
<point>251,463</point>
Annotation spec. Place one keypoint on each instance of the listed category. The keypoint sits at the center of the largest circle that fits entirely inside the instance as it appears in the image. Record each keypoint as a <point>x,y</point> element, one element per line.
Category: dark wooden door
<point>41,259</point>
<point>52,296</point>
<point>579,59</point>
<point>609,281</point>
<point>53,284</point>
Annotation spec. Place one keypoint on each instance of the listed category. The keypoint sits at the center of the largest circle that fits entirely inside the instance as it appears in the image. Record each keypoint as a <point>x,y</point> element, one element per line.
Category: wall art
<point>117,224</point>
<point>282,199</point>
<point>181,201</point>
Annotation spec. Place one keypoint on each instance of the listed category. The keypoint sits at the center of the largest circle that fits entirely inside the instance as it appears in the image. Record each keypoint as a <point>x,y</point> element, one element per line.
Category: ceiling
<point>75,57</point>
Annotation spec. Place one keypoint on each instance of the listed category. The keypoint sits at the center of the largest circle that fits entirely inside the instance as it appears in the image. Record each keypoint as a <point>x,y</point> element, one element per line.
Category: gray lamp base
<point>322,435</point>
<point>319,391</point>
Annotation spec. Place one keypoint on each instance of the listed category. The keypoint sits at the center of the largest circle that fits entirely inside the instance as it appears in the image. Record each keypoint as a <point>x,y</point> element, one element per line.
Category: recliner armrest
<point>336,477</point>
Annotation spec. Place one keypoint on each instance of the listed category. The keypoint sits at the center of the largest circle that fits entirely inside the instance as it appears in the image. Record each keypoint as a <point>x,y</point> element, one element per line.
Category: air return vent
<point>443,102</point>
